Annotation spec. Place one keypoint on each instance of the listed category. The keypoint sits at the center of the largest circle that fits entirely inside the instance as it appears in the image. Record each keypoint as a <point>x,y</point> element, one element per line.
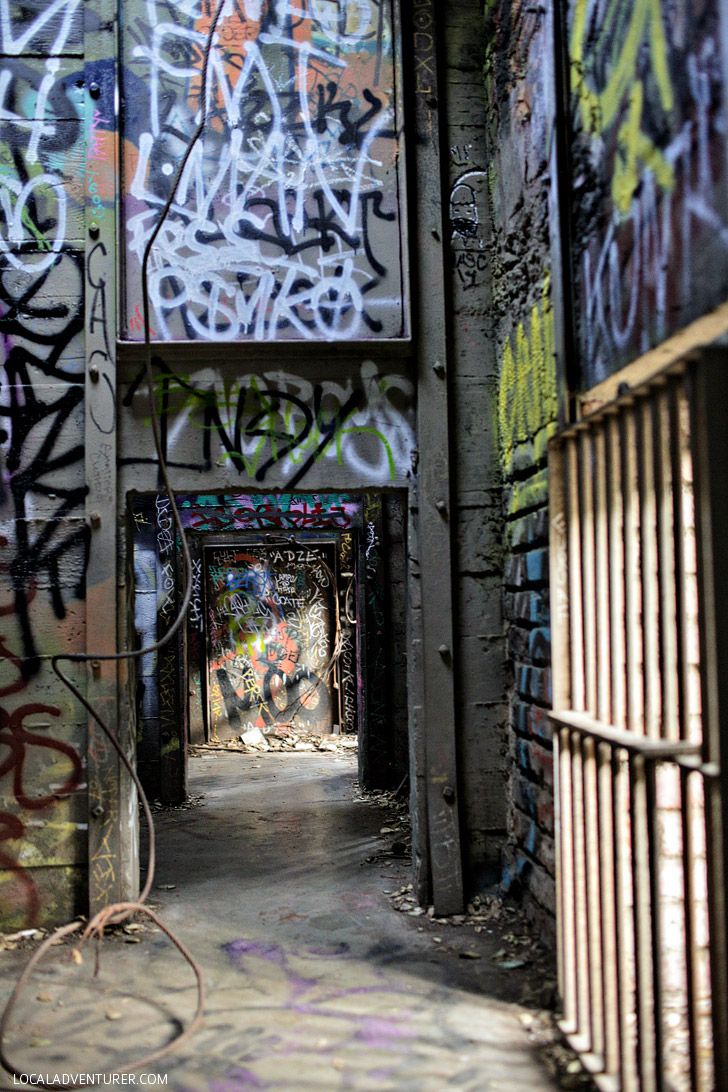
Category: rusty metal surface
<point>636,510</point>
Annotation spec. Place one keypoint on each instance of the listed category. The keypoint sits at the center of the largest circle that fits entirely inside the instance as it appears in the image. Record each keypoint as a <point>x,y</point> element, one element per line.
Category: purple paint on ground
<point>237,950</point>
<point>381,1034</point>
<point>237,1079</point>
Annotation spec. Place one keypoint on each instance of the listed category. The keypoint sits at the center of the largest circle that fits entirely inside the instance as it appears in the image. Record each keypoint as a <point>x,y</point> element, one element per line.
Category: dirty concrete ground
<point>279,880</point>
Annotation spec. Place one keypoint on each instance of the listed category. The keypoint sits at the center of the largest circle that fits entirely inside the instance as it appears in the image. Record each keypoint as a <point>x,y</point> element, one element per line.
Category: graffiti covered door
<point>271,632</point>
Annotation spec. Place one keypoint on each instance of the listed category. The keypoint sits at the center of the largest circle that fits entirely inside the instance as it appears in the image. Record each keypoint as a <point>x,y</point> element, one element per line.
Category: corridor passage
<point>278,878</point>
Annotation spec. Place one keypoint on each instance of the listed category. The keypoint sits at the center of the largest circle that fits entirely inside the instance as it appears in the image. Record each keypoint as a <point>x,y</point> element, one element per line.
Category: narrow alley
<point>277,879</point>
<point>363,390</point>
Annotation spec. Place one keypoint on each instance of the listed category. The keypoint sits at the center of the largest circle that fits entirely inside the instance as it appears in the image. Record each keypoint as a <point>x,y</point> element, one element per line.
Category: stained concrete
<point>277,881</point>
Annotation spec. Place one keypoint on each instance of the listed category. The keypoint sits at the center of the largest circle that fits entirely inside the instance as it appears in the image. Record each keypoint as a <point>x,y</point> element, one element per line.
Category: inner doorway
<point>297,620</point>
<point>273,637</point>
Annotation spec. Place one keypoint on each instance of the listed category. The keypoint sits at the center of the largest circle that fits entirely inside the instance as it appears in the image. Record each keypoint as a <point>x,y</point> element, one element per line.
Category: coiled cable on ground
<point>115,913</point>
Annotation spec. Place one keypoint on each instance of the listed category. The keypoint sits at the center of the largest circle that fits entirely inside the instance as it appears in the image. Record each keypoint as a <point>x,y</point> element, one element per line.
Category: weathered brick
<point>534,760</point>
<point>514,571</point>
<point>539,646</point>
<point>518,640</point>
<point>531,720</point>
<point>537,566</point>
<point>527,606</point>
<point>530,493</point>
<point>533,841</point>
<point>529,530</point>
<point>534,682</point>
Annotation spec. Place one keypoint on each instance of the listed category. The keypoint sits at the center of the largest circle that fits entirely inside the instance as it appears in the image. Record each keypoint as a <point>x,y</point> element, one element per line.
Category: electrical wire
<point>115,913</point>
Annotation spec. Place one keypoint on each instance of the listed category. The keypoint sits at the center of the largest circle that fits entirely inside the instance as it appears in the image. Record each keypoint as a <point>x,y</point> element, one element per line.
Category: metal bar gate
<point>638,733</point>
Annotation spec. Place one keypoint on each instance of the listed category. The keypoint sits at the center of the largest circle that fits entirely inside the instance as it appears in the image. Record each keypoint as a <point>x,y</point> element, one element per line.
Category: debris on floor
<point>488,917</point>
<point>194,800</point>
<point>25,938</point>
<point>278,737</point>
<point>396,827</point>
<point>557,1058</point>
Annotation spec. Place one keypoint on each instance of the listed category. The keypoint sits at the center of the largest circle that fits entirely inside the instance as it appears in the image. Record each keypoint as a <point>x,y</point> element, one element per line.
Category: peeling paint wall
<point>44,539</point>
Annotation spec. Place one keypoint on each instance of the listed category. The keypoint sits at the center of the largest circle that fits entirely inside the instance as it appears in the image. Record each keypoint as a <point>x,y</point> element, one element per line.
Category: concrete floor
<point>313,980</point>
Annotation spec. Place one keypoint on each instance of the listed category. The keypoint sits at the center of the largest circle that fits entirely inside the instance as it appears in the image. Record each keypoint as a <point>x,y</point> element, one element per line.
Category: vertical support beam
<point>709,410</point>
<point>107,816</point>
<point>434,500</point>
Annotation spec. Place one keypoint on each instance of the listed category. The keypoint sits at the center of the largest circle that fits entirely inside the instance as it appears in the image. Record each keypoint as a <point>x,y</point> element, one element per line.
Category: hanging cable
<point>115,913</point>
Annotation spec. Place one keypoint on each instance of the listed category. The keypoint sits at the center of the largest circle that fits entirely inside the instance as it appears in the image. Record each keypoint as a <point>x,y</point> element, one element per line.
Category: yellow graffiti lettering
<point>624,91</point>
<point>527,400</point>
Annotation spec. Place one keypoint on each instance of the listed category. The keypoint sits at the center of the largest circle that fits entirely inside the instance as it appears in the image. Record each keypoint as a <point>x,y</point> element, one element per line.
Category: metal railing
<point>638,601</point>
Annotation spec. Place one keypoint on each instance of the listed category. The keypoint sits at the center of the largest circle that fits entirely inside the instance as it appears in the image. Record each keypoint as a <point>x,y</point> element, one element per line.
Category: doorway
<point>272,638</point>
<point>296,625</point>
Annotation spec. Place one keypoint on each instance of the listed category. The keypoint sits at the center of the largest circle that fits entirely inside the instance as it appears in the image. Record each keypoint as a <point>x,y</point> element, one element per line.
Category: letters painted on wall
<point>274,429</point>
<point>649,180</point>
<point>44,539</point>
<point>286,222</point>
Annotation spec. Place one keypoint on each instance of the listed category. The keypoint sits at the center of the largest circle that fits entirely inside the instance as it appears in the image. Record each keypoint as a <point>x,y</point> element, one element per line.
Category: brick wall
<point>518,91</point>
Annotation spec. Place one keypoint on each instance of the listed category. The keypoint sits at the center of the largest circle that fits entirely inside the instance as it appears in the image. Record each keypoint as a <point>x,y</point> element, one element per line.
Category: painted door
<point>271,634</point>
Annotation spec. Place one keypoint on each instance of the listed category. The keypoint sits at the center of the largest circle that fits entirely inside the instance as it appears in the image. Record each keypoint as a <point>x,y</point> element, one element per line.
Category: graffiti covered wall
<point>649,174</point>
<point>638,182</point>
<point>44,539</point>
<point>271,632</point>
<point>519,97</point>
<point>287,222</point>
<point>163,706</point>
<point>236,426</point>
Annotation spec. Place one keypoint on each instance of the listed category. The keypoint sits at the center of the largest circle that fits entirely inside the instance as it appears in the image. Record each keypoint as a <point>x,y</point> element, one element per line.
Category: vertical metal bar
<point>611,1000</point>
<point>592,858</point>
<point>586,490</point>
<point>561,660</point>
<point>112,838</point>
<point>576,603</point>
<point>615,502</point>
<point>678,454</point>
<point>434,492</point>
<point>654,919</point>
<point>624,896</point>
<point>689,899</point>
<point>632,572</point>
<point>667,497</point>
<point>602,573</point>
<point>708,388</point>
<point>648,573</point>
<point>567,925</point>
<point>642,910</point>
<point>581,911</point>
